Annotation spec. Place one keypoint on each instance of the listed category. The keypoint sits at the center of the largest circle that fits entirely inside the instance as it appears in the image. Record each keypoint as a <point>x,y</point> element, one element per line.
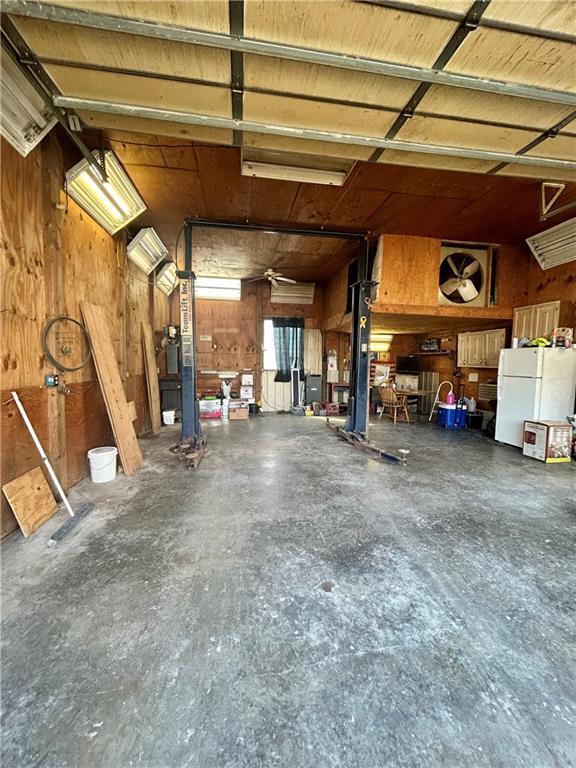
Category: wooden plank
<point>31,500</point>
<point>151,376</point>
<point>111,384</point>
<point>132,410</point>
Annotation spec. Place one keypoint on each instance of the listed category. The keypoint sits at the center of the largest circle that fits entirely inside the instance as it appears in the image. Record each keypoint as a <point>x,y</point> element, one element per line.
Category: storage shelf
<point>425,354</point>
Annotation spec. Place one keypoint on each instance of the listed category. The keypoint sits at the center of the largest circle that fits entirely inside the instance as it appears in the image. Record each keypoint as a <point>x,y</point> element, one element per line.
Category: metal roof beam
<point>228,123</point>
<point>32,9</point>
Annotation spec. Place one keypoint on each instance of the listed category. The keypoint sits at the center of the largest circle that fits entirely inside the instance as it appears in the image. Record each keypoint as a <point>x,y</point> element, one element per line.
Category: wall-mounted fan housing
<point>464,276</point>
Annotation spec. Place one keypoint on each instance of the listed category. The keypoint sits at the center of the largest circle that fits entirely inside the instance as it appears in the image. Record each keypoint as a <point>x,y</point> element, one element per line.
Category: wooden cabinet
<point>481,349</point>
<point>540,319</point>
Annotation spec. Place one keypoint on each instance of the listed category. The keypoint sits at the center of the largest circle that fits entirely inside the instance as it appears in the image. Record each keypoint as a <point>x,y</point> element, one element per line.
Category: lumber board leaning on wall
<point>151,375</point>
<point>112,389</point>
<point>31,500</point>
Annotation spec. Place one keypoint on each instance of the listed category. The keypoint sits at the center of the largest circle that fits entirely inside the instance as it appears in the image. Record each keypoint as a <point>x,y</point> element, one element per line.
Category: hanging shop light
<point>112,203</point>
<point>223,288</point>
<point>167,279</point>
<point>146,250</point>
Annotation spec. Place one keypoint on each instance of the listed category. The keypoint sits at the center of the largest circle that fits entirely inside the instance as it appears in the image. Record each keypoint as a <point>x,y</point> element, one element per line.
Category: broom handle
<point>38,445</point>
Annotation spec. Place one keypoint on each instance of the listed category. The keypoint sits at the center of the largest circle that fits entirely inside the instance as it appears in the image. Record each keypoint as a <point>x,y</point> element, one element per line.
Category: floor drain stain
<point>327,585</point>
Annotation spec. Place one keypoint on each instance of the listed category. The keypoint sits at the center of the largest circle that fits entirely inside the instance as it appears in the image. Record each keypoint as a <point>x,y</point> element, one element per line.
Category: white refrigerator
<point>534,384</point>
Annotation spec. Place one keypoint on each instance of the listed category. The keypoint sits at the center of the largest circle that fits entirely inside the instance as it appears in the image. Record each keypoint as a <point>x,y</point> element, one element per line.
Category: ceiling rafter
<point>443,13</point>
<point>213,121</point>
<point>61,14</point>
<point>468,24</point>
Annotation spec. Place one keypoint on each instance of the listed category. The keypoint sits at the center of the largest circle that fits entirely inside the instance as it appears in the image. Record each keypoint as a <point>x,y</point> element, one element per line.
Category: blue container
<point>460,422</point>
<point>447,415</point>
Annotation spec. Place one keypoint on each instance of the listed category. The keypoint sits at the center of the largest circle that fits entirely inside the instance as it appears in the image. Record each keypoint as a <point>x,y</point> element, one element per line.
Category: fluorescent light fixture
<point>167,279</point>
<point>293,173</point>
<point>292,293</point>
<point>113,203</point>
<point>220,288</point>
<point>25,118</point>
<point>146,250</point>
<point>380,342</point>
<point>555,246</point>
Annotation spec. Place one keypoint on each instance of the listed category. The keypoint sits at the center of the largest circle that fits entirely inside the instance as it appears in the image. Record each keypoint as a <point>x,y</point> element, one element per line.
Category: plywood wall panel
<point>558,283</point>
<point>409,270</point>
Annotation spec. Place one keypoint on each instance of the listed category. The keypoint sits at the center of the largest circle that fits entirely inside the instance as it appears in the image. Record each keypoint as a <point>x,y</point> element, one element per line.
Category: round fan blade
<point>254,279</point>
<point>285,279</point>
<point>450,261</point>
<point>274,282</point>
<point>471,269</point>
<point>467,290</point>
<point>450,285</point>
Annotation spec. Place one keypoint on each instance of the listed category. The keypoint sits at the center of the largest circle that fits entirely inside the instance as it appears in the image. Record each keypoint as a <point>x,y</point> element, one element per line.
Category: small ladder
<point>437,398</point>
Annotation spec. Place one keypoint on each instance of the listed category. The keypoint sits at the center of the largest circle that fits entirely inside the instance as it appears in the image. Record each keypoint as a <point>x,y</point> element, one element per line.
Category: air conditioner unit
<point>555,246</point>
<point>25,117</point>
<point>292,293</point>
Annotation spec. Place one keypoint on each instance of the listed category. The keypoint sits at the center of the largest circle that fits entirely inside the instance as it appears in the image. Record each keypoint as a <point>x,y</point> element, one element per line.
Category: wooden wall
<point>552,284</point>
<point>53,257</point>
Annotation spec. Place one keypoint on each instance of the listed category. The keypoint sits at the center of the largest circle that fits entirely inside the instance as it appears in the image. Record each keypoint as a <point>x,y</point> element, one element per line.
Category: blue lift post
<point>192,439</point>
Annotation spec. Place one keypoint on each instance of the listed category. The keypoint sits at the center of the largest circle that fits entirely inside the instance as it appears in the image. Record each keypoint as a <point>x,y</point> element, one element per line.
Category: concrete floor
<point>186,622</point>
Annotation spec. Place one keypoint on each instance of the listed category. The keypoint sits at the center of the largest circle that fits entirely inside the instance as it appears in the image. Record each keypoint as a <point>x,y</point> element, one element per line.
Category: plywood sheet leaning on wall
<point>112,389</point>
<point>31,500</point>
<point>151,375</point>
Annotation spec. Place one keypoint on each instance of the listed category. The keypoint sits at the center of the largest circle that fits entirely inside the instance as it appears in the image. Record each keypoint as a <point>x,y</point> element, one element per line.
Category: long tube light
<point>293,173</point>
<point>146,250</point>
<point>222,288</point>
<point>167,279</point>
<point>112,203</point>
<point>555,246</point>
<point>24,116</point>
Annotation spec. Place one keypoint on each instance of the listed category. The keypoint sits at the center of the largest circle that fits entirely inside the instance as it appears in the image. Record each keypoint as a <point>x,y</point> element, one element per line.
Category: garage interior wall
<point>53,257</point>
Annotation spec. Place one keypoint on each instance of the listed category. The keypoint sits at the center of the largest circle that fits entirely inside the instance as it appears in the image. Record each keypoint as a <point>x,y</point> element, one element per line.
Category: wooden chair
<point>392,401</point>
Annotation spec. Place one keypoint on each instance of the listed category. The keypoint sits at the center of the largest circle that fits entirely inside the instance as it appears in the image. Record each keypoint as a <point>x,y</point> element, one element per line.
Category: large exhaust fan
<point>463,278</point>
<point>555,246</point>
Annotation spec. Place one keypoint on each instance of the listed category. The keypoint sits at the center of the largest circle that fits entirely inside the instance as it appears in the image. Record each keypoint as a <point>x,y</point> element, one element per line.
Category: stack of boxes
<point>239,409</point>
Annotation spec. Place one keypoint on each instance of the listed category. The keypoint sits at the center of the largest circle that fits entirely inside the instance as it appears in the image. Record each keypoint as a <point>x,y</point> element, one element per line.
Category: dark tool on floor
<point>358,441</point>
<point>71,524</point>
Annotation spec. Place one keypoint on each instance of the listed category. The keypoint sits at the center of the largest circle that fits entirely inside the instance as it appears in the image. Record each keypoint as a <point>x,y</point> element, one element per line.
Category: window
<point>268,348</point>
<point>223,288</point>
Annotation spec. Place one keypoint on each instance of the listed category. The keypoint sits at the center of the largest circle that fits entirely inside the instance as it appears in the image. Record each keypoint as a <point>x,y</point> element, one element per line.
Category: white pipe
<point>38,445</point>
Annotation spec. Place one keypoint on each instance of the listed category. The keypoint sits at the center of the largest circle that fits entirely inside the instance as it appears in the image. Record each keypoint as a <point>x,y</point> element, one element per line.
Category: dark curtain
<point>289,346</point>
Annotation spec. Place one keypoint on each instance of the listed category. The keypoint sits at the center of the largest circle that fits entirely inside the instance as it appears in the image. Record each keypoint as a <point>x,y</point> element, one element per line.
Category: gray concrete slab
<point>293,603</point>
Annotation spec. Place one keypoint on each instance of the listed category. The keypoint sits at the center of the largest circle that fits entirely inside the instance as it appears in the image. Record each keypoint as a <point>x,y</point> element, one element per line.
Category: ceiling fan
<point>274,277</point>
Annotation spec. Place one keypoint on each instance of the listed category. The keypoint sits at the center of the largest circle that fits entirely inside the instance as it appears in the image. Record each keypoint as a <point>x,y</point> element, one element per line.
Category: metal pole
<point>360,373</point>
<point>188,373</point>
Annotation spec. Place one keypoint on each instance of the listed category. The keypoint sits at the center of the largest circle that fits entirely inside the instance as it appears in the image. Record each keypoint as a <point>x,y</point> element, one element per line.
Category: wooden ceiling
<point>95,59</point>
<point>180,179</point>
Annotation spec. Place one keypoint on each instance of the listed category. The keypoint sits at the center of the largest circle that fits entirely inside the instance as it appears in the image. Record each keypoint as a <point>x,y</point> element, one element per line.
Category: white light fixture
<point>221,288</point>
<point>380,342</point>
<point>113,203</point>
<point>555,246</point>
<point>25,117</point>
<point>146,250</point>
<point>167,279</point>
<point>292,293</point>
<point>293,173</point>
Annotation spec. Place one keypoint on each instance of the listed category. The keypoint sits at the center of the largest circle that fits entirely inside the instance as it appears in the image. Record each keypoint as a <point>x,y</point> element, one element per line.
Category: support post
<point>357,420</point>
<point>191,430</point>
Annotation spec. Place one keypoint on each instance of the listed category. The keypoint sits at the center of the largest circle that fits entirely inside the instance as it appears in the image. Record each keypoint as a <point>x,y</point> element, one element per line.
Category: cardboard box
<point>247,379</point>
<point>238,414</point>
<point>549,441</point>
<point>210,409</point>
<point>246,392</point>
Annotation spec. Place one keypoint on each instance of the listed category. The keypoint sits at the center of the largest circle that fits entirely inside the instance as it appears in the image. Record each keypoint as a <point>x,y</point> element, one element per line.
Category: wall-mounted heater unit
<point>167,279</point>
<point>24,116</point>
<point>292,293</point>
<point>113,203</point>
<point>146,250</point>
<point>555,246</point>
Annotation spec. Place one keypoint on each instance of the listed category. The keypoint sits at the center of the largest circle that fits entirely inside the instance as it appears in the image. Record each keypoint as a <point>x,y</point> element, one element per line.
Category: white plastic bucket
<point>103,463</point>
<point>168,417</point>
